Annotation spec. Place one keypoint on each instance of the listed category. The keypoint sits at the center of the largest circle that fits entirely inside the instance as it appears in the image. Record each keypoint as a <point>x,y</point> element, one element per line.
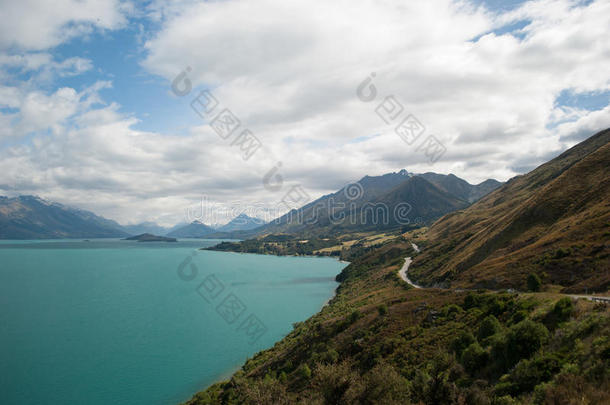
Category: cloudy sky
<point>96,96</point>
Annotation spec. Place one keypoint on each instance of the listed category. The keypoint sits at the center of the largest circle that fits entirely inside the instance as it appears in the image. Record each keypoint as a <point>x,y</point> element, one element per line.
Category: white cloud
<point>37,25</point>
<point>289,70</point>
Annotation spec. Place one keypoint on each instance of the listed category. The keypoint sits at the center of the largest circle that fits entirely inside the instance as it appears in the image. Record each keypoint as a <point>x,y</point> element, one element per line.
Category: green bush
<point>451,310</point>
<point>505,400</point>
<point>563,309</point>
<point>472,300</point>
<point>461,342</point>
<point>527,374</point>
<point>524,339</point>
<point>383,385</point>
<point>489,326</point>
<point>518,317</point>
<point>305,371</point>
<point>474,358</point>
<point>533,282</point>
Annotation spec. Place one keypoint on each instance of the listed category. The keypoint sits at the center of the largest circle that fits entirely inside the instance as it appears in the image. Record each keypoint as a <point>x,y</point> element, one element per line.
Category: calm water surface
<point>115,322</point>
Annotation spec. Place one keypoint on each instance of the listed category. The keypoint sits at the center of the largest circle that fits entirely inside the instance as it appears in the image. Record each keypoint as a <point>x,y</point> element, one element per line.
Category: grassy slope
<point>380,342</point>
<point>554,221</point>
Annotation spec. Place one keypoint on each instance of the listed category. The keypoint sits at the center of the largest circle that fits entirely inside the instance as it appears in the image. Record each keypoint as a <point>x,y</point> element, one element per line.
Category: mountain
<point>145,227</point>
<point>30,217</point>
<point>428,201</point>
<point>147,237</point>
<point>373,203</point>
<point>461,188</point>
<point>175,227</point>
<point>195,229</point>
<point>553,222</point>
<point>242,222</point>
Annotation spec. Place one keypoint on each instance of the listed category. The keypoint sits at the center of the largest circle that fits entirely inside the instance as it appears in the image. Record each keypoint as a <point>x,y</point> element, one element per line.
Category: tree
<point>461,342</point>
<point>474,358</point>
<point>533,282</point>
<point>524,339</point>
<point>490,326</point>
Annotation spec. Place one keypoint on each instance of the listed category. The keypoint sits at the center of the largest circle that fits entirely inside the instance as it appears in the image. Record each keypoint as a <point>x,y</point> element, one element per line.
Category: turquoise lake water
<point>122,322</point>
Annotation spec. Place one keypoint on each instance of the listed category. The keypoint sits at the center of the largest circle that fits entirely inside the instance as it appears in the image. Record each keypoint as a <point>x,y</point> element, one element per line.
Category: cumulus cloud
<point>290,70</point>
<point>37,25</point>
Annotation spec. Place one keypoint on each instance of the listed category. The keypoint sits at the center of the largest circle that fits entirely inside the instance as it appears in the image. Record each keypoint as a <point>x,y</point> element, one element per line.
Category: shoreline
<point>276,255</point>
<point>226,376</point>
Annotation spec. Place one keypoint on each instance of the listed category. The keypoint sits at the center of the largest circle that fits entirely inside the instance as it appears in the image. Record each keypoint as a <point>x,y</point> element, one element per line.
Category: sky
<point>147,111</point>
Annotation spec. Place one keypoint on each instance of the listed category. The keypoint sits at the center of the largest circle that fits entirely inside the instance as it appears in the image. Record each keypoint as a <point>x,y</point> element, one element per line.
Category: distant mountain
<point>195,229</point>
<point>373,203</point>
<point>552,222</point>
<point>175,227</point>
<point>461,188</point>
<point>145,227</point>
<point>147,237</point>
<point>242,222</point>
<point>30,217</point>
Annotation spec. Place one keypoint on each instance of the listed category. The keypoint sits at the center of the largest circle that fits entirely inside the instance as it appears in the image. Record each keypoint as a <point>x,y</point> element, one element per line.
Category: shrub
<point>383,385</point>
<point>561,252</point>
<point>490,326</point>
<point>533,282</point>
<point>451,310</point>
<point>505,400</point>
<point>474,358</point>
<point>305,371</point>
<point>472,301</point>
<point>524,339</point>
<point>527,374</point>
<point>563,309</point>
<point>518,317</point>
<point>383,309</point>
<point>265,391</point>
<point>332,381</point>
<point>461,342</point>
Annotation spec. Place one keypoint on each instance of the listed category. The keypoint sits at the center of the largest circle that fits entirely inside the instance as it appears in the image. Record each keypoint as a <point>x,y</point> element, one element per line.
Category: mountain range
<point>380,203</point>
<point>30,217</point>
<point>375,202</point>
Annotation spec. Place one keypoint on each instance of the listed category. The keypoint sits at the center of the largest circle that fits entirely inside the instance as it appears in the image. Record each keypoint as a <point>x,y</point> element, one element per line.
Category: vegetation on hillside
<point>381,342</point>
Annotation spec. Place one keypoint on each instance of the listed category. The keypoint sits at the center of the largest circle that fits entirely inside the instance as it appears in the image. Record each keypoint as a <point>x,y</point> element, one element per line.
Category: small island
<point>148,237</point>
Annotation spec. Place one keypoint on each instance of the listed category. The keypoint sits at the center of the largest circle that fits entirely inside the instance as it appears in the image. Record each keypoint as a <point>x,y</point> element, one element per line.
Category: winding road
<point>403,273</point>
<point>405,267</point>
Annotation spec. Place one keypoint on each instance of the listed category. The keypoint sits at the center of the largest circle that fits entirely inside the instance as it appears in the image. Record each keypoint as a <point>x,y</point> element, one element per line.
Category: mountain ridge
<point>550,222</point>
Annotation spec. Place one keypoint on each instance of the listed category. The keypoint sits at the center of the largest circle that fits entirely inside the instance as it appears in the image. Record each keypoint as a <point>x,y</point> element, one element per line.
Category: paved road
<point>405,267</point>
<point>403,273</point>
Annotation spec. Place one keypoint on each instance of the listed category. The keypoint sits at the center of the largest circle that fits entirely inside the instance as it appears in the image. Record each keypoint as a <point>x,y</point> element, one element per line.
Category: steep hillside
<point>30,217</point>
<point>461,188</point>
<point>427,201</point>
<point>553,222</point>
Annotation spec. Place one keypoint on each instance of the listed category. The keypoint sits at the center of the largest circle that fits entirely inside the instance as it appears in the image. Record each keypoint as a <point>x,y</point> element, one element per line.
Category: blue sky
<point>88,117</point>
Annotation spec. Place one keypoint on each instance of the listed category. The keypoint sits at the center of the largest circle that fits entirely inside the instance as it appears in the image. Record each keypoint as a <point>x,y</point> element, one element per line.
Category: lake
<point>125,322</point>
